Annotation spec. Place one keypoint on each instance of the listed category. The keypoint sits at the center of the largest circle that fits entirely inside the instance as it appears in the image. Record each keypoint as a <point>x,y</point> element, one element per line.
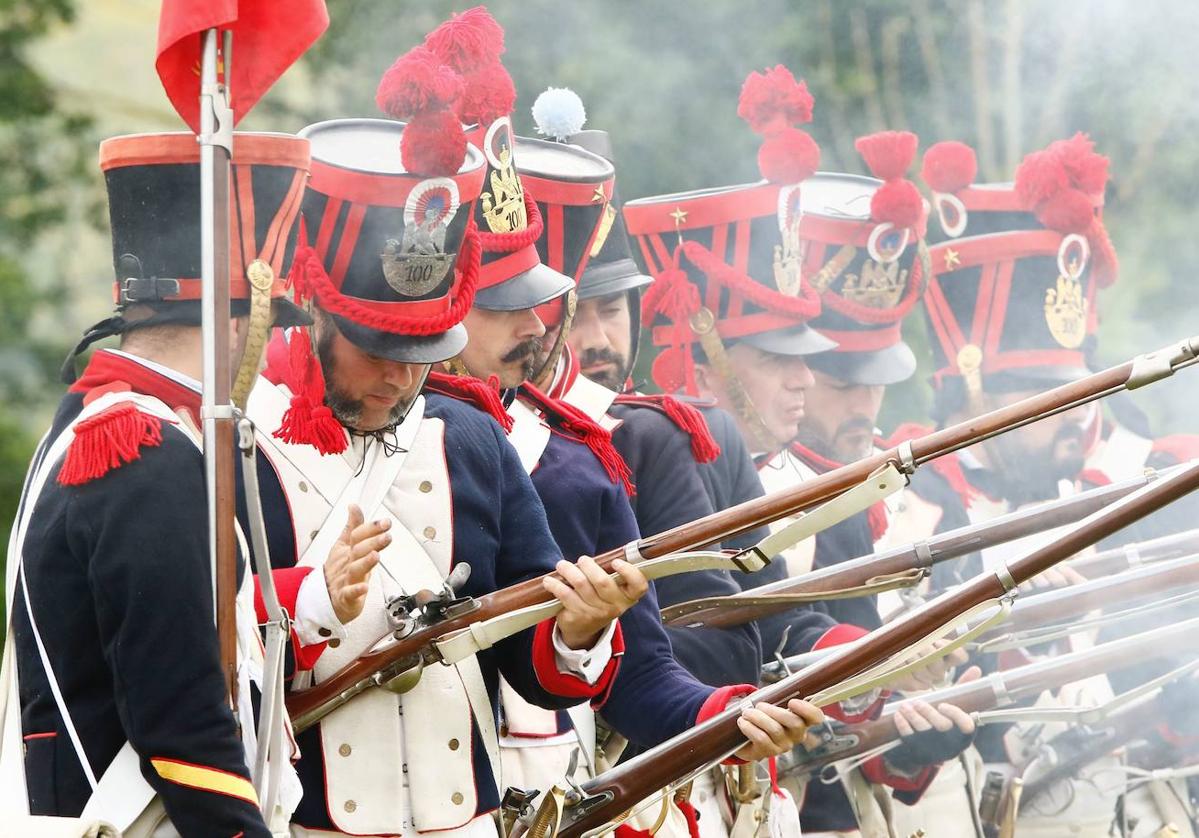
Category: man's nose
<point>798,374</point>
<point>400,376</point>
<point>529,325</point>
<point>586,332</point>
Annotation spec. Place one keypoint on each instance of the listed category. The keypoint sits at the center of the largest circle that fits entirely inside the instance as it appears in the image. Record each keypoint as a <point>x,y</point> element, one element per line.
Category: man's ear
<point>705,377</point>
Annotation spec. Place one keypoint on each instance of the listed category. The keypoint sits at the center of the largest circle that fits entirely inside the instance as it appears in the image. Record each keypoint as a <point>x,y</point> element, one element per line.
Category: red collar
<point>565,376</point>
<point>108,371</point>
<point>818,463</point>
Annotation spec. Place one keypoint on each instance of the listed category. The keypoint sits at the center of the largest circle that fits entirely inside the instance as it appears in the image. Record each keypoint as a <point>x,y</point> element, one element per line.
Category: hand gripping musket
<point>216,150</point>
<point>898,567</point>
<point>430,617</point>
<point>998,690</point>
<point>605,799</point>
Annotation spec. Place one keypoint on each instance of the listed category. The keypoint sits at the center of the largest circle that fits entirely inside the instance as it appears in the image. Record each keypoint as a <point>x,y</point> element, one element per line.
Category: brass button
<point>430,533</point>
<point>324,632</point>
<point>344,750</point>
<point>426,486</point>
<point>334,643</point>
<point>351,806</point>
<point>303,486</point>
<point>456,798</point>
<point>453,744</point>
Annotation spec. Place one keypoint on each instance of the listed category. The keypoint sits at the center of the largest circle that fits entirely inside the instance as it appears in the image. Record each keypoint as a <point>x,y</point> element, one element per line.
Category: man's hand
<point>931,675</point>
<point>1061,576</point>
<point>351,560</point>
<point>774,730</point>
<point>591,598</point>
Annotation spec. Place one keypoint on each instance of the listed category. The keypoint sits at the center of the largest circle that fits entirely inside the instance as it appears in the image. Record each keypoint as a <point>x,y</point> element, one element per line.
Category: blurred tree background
<point>1007,76</point>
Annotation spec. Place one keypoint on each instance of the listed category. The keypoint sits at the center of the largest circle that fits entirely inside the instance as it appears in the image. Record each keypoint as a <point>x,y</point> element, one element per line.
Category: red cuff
<point>875,771</point>
<point>839,635</point>
<point>287,588</point>
<point>717,703</point>
<point>545,666</point>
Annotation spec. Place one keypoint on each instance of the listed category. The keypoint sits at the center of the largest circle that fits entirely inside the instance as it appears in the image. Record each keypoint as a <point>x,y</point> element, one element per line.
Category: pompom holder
<point>951,212</point>
<point>886,243</point>
<point>1072,256</point>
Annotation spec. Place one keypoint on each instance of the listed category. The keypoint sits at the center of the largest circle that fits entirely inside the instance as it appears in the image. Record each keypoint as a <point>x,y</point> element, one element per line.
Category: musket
<point>1062,604</point>
<point>999,689</point>
<point>1128,556</point>
<point>906,564</point>
<point>412,645</point>
<point>216,149</point>
<point>603,799</point>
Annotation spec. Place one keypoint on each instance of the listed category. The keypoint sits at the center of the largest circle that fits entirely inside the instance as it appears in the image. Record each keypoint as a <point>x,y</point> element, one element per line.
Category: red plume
<point>949,166</point>
<point>1069,211</point>
<point>774,103</point>
<point>788,156</point>
<point>488,95</point>
<point>774,100</point>
<point>415,83</point>
<point>433,144</point>
<point>888,153</point>
<point>468,40</point>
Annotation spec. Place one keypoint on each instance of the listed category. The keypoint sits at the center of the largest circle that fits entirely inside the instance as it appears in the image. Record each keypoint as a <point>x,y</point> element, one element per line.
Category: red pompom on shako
<point>949,166</point>
<point>889,154</point>
<point>468,40</point>
<point>774,104</point>
<point>422,90</point>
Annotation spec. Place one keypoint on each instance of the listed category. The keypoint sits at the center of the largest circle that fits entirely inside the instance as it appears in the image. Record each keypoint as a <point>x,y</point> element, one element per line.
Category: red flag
<point>268,36</point>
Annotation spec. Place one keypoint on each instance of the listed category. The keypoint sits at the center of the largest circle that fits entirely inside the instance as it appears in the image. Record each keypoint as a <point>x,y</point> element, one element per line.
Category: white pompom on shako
<point>559,113</point>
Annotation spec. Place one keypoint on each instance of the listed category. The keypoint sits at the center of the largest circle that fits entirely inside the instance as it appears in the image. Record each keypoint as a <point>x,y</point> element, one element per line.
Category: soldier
<point>739,292</point>
<point>579,476</point>
<point>113,520</point>
<point>354,428</point>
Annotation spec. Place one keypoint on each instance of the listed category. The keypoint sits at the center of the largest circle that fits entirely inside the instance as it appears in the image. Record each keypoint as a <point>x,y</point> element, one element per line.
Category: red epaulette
<point>484,395</point>
<point>110,439</point>
<point>573,421</point>
<point>703,446</point>
<point>1178,447</point>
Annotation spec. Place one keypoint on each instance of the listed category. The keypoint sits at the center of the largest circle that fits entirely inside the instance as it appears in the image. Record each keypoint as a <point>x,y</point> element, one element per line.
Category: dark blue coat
<point>671,492</point>
<point>119,580</point>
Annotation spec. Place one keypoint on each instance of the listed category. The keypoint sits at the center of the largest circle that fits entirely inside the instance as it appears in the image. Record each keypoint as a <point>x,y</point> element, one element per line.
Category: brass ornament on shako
<point>880,285</point>
<point>1065,308</point>
<point>788,256</point>
<point>416,265</point>
<point>503,197</point>
<point>605,227</point>
<point>970,362</point>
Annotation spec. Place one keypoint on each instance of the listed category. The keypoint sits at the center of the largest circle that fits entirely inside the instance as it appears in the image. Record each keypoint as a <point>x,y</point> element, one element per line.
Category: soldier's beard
<point>613,377</point>
<point>346,409</point>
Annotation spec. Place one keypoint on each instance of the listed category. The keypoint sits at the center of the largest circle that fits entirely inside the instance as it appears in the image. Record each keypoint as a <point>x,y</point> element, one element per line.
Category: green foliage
<point>44,165</point>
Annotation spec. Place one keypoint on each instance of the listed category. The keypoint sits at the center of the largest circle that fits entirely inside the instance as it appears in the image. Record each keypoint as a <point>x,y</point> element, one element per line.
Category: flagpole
<point>216,149</point>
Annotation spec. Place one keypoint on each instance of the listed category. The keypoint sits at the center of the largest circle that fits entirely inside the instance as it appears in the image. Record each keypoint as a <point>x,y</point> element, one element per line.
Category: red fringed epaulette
<point>484,395</point>
<point>110,439</point>
<point>576,423</point>
<point>689,420</point>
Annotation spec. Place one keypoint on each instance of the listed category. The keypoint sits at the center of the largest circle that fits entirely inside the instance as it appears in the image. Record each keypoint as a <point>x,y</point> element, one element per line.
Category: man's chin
<point>605,376</point>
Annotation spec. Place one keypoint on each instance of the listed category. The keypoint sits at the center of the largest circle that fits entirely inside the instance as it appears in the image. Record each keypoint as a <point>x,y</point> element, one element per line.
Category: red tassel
<point>774,99</point>
<point>434,144</point>
<point>688,419</point>
<point>107,441</point>
<point>788,156</point>
<point>308,421</point>
<point>488,94</point>
<point>897,202</point>
<point>483,395</point>
<point>578,424</point>
<point>876,517</point>
<point>949,166</point>
<point>417,83</point>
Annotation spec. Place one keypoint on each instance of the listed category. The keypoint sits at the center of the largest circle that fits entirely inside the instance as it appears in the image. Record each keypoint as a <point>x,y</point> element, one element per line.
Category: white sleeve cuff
<point>315,621</point>
<point>588,664</point>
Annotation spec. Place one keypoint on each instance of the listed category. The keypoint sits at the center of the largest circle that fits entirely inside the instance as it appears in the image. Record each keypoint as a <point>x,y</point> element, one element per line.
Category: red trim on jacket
<point>717,703</point>
<point>839,635</point>
<point>287,587</point>
<point>876,771</point>
<point>545,665</point>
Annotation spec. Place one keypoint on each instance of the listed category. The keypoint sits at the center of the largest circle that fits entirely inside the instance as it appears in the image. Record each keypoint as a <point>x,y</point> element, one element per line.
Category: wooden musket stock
<point>616,791</point>
<point>307,706</point>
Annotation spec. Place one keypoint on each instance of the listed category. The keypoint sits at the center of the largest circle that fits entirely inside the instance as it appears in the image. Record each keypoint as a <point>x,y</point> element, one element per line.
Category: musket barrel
<point>1128,556</point>
<point>724,612</point>
<point>755,513</point>
<point>615,791</point>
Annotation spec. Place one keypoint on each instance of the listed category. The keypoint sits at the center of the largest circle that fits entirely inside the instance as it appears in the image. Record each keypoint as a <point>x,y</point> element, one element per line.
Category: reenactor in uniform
<point>737,298</point>
<point>390,270</point>
<point>125,683</point>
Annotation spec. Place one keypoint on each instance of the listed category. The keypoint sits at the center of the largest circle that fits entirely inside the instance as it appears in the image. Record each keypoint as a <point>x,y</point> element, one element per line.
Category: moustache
<point>596,357</point>
<point>522,350</point>
<point>855,424</point>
